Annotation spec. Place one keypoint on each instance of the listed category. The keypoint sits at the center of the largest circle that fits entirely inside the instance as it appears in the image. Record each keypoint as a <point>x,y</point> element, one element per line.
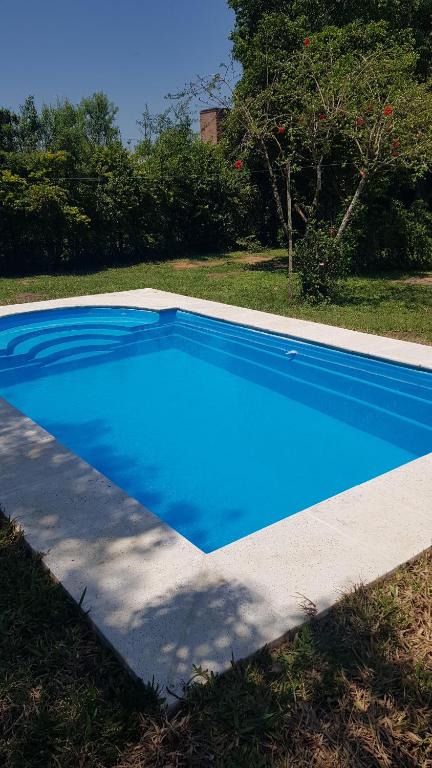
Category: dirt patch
<point>425,280</point>
<point>247,258</point>
<point>216,275</point>
<point>253,258</point>
<point>197,263</point>
<point>21,298</point>
<point>409,336</point>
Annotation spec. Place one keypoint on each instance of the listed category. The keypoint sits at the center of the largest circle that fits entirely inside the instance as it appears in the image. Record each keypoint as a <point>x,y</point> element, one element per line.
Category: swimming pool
<point>217,428</point>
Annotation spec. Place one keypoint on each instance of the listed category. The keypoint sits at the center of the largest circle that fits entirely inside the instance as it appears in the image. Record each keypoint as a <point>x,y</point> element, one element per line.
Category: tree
<point>29,127</point>
<point>415,15</point>
<point>373,109</point>
<point>39,220</point>
<point>152,126</point>
<point>341,112</point>
<point>63,128</point>
<point>199,202</point>
<point>72,194</point>
<point>99,120</point>
<point>8,130</point>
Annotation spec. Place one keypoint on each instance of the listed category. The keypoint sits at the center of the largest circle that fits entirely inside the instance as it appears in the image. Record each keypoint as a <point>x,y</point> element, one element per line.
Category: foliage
<point>415,15</point>
<point>190,181</point>
<point>40,221</point>
<point>393,235</point>
<point>330,121</point>
<point>363,58</point>
<point>326,116</point>
<point>28,126</point>
<point>8,130</point>
<point>72,194</point>
<point>321,261</point>
<point>99,116</point>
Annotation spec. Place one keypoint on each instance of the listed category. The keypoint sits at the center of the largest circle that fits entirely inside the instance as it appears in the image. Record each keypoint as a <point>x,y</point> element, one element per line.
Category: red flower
<point>281,129</point>
<point>306,42</point>
<point>322,116</point>
<point>362,173</point>
<point>388,110</point>
<point>238,165</point>
<point>396,143</point>
<point>395,153</point>
<point>360,121</point>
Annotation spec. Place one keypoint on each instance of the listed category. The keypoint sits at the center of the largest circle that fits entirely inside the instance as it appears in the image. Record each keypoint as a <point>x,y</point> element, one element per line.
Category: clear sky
<point>136,51</point>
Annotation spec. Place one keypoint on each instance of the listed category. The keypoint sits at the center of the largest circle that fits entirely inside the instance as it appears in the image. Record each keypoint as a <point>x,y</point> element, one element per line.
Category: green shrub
<point>321,261</point>
<point>75,200</point>
<point>393,235</point>
<point>415,226</point>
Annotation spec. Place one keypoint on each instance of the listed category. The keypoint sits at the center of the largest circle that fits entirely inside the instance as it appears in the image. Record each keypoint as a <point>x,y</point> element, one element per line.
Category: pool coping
<point>159,601</point>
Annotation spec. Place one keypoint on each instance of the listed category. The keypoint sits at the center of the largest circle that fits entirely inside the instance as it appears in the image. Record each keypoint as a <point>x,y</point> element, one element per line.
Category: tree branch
<point>350,210</point>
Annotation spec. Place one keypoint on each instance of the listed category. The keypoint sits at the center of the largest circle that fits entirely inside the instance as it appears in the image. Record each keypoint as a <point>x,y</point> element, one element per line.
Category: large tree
<point>342,112</point>
<point>99,115</point>
<point>29,127</point>
<point>317,14</point>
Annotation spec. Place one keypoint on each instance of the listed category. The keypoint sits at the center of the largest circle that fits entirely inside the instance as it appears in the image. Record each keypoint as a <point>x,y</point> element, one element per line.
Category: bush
<point>321,261</point>
<point>104,203</point>
<point>394,235</point>
<point>200,201</point>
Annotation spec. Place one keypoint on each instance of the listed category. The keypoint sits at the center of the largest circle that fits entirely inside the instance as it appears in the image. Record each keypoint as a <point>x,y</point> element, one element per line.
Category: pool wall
<point>164,605</point>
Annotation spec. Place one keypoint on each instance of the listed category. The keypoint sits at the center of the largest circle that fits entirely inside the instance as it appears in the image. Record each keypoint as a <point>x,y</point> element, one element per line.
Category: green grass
<point>351,690</point>
<point>386,305</point>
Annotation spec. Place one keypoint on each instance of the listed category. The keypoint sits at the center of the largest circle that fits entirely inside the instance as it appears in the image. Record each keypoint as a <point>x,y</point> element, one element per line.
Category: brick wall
<point>211,123</point>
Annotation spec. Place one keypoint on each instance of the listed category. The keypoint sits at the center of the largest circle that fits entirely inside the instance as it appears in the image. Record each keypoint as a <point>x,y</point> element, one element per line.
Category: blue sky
<point>136,51</point>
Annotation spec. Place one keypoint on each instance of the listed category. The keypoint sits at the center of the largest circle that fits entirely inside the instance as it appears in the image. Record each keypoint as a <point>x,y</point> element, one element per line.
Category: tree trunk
<point>290,226</point>
<point>318,187</point>
<point>350,210</point>
<point>275,191</point>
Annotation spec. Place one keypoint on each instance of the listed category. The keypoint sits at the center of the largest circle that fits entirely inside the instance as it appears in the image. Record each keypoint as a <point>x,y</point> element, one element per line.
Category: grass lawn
<point>352,690</point>
<point>392,305</point>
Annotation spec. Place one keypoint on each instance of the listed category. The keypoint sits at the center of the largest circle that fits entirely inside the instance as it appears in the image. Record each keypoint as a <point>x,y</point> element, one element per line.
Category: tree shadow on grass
<point>126,262</point>
<point>278,264</point>
<point>381,287</point>
<point>64,698</point>
<point>376,293</point>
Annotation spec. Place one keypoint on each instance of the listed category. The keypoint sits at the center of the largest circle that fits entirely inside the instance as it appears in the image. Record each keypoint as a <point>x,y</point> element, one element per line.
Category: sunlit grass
<point>386,305</point>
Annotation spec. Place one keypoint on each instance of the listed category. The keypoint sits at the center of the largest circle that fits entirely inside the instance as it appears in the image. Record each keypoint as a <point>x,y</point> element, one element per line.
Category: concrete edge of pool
<point>161,603</point>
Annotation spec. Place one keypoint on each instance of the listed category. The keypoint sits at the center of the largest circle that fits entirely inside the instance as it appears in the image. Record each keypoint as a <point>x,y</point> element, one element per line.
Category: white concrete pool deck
<point>164,605</point>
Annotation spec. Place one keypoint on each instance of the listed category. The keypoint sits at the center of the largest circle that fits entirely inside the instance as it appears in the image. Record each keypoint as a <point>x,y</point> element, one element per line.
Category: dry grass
<point>65,702</point>
<point>351,690</point>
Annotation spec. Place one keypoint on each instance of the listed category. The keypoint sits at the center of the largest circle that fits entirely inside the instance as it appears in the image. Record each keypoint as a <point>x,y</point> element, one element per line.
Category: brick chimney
<point>211,124</point>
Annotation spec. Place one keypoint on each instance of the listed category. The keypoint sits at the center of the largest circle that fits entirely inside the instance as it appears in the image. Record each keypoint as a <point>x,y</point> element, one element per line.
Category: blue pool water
<point>217,428</point>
